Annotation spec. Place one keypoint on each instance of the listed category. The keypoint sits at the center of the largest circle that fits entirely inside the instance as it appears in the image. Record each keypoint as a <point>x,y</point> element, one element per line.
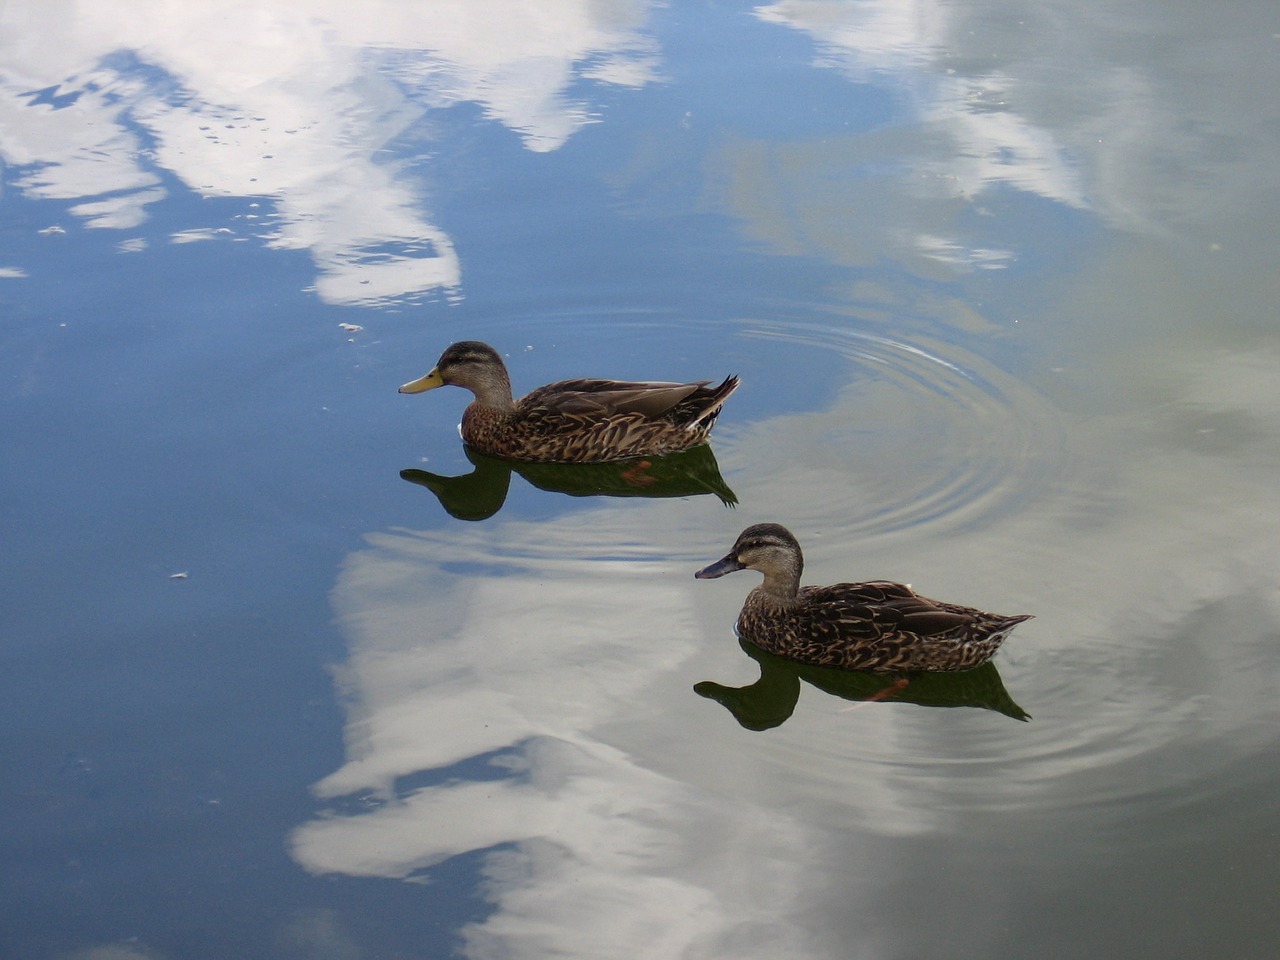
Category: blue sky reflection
<point>298,104</point>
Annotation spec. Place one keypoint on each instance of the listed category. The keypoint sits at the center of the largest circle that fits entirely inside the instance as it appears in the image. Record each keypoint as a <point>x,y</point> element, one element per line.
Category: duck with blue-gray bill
<point>877,625</point>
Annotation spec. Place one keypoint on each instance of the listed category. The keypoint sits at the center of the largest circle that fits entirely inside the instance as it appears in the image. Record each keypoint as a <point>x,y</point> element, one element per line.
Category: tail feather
<point>706,417</point>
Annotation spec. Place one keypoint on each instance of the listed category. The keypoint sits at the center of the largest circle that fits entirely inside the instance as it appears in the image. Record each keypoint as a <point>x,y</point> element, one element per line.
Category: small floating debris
<point>350,327</point>
<point>180,575</point>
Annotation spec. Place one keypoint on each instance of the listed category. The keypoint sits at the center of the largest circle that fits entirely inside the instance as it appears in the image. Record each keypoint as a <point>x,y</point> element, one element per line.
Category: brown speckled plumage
<point>858,626</point>
<point>574,421</point>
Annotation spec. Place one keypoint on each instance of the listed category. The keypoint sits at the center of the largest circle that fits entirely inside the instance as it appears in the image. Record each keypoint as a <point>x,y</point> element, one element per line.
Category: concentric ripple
<point>838,428</point>
<point>896,454</point>
<point>922,435</point>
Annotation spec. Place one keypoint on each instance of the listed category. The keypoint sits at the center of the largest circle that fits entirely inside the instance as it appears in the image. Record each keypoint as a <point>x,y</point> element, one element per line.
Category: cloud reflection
<point>523,690</point>
<point>910,41</point>
<point>102,102</point>
<point>1074,107</point>
<point>574,628</point>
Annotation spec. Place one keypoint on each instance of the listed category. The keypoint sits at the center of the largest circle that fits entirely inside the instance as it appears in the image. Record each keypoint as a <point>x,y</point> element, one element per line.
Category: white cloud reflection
<point>622,816</point>
<point>909,42</point>
<point>1076,103</point>
<point>593,851</point>
<point>948,251</point>
<point>294,102</point>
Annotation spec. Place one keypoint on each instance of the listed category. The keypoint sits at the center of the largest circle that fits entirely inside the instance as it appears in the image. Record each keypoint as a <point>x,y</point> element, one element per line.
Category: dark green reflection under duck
<point>481,493</point>
<point>770,701</point>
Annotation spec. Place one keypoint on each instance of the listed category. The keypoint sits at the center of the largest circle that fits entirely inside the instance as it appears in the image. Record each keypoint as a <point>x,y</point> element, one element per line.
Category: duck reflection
<point>481,493</point>
<point>771,700</point>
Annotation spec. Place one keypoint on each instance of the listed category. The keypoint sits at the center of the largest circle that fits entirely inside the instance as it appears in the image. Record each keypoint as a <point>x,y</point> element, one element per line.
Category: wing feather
<point>600,398</point>
<point>878,607</point>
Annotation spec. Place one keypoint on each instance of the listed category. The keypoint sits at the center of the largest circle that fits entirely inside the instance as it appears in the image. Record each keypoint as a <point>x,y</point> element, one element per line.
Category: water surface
<point>1000,286</point>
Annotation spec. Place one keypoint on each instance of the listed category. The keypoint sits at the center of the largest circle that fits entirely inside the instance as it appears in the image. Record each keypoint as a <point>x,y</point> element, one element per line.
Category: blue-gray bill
<point>729,564</point>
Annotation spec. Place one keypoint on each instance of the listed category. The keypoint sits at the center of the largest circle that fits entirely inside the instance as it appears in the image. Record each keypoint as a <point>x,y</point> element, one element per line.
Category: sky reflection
<point>907,43</point>
<point>523,691</point>
<point>530,665</point>
<point>102,103</point>
<point>1076,104</point>
<point>561,655</point>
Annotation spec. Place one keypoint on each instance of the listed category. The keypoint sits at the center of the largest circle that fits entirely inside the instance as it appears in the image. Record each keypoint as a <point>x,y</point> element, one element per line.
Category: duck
<point>878,626</point>
<point>574,421</point>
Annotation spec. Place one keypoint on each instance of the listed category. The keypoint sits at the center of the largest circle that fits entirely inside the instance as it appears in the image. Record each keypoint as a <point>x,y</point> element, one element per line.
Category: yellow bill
<point>429,382</point>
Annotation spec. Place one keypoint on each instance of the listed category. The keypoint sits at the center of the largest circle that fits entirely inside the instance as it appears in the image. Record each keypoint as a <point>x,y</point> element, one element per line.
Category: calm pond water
<point>289,674</point>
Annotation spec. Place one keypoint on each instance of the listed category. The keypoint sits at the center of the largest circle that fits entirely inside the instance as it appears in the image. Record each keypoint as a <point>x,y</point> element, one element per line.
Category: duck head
<point>767,547</point>
<point>469,364</point>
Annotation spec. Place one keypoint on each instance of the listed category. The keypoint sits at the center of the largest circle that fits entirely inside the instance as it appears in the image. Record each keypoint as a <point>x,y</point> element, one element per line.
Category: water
<point>1000,286</point>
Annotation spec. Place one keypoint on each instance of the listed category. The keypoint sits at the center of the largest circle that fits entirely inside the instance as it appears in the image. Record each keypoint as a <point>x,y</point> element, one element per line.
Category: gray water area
<point>288,673</point>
